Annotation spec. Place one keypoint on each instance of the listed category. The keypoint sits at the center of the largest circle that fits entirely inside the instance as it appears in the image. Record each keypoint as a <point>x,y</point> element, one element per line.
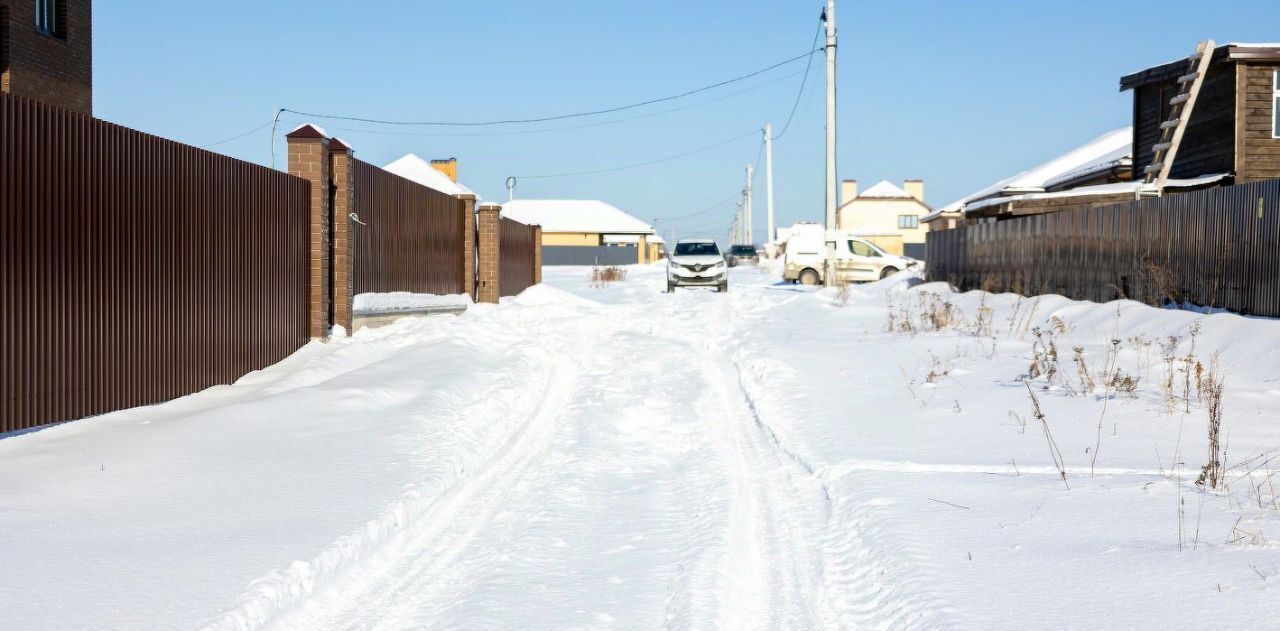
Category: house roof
<point>1232,52</point>
<point>1100,189</point>
<point>884,190</point>
<point>574,215</point>
<point>413,168</point>
<point>1103,150</point>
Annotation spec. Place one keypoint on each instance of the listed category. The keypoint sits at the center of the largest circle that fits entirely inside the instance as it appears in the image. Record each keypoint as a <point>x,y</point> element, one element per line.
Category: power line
<point>238,136</point>
<point>543,119</point>
<point>808,66</point>
<point>704,210</point>
<point>640,164</point>
<point>523,132</point>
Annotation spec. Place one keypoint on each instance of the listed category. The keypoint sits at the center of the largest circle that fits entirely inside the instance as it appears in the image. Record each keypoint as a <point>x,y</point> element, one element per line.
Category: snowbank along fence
<point>1218,247</point>
<point>134,269</point>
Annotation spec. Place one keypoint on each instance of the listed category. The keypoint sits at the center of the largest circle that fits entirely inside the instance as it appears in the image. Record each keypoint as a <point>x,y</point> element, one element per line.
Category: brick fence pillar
<point>342,172</point>
<point>309,160</point>
<point>537,254</point>
<point>468,244</point>
<point>487,226</point>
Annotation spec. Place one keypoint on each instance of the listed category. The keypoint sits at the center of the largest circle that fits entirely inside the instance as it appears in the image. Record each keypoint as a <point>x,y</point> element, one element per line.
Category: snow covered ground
<point>583,457</point>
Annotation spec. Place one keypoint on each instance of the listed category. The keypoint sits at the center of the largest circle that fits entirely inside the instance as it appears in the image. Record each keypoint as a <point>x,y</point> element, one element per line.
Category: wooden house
<point>1234,125</point>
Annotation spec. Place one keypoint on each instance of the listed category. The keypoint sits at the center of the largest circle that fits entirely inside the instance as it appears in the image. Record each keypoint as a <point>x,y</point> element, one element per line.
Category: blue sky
<point>957,93</point>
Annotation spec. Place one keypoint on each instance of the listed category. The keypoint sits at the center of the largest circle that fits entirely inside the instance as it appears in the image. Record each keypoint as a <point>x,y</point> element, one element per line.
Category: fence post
<point>537,255</point>
<point>309,160</point>
<point>489,255</point>
<point>344,204</point>
<point>468,243</point>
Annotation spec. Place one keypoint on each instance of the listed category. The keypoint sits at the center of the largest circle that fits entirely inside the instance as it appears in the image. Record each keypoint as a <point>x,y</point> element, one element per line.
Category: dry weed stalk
<point>1211,473</point>
<point>1053,444</point>
<point>602,276</point>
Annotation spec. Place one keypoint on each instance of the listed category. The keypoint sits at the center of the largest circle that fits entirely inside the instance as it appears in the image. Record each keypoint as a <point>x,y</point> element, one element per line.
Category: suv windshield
<point>697,249</point>
<point>742,250</point>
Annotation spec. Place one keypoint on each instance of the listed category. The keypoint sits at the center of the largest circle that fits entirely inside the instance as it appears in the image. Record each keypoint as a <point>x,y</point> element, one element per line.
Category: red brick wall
<point>55,70</point>
<point>488,225</point>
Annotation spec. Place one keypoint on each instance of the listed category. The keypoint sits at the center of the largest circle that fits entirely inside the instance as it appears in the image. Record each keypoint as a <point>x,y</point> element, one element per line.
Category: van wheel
<point>671,288</point>
<point>723,288</point>
<point>809,277</point>
<point>888,271</point>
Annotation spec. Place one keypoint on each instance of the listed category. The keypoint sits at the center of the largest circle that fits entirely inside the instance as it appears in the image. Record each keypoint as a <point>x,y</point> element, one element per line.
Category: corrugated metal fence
<point>1219,247</point>
<point>134,269</point>
<point>410,237</point>
<point>515,258</point>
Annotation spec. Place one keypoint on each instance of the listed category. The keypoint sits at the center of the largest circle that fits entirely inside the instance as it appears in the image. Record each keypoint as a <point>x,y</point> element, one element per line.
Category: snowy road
<point>615,457</point>
<point>643,489</point>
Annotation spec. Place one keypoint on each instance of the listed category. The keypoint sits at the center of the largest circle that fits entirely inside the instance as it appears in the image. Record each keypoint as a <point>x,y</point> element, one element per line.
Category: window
<point>697,248</point>
<point>908,221</point>
<point>1275,105</point>
<point>51,17</point>
<point>862,248</point>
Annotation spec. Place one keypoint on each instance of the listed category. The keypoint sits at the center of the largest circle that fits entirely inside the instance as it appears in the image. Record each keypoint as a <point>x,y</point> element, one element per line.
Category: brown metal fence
<point>1219,247</point>
<point>134,269</point>
<point>408,238</point>
<point>516,256</point>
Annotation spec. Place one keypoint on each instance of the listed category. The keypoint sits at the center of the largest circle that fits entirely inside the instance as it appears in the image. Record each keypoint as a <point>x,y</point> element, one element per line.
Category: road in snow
<point>584,457</point>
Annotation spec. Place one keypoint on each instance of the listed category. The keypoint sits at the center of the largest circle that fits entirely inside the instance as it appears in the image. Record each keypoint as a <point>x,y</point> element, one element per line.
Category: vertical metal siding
<point>135,269</point>
<point>516,256</point>
<point>1210,248</point>
<point>411,238</point>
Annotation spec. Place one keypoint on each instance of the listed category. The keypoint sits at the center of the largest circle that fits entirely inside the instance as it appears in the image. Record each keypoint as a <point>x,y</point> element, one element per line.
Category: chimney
<point>848,191</point>
<point>914,188</point>
<point>448,167</point>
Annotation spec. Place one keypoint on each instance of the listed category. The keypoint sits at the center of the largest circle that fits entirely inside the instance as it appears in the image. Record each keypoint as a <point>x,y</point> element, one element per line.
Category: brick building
<point>46,51</point>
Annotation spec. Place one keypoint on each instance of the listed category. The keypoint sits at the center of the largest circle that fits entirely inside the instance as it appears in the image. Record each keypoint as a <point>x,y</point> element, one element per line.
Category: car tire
<point>809,277</point>
<point>723,287</point>
<point>887,272</point>
<point>671,288</point>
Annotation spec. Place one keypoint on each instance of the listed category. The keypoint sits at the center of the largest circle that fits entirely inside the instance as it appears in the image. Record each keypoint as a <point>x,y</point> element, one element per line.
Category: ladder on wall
<point>1171,131</point>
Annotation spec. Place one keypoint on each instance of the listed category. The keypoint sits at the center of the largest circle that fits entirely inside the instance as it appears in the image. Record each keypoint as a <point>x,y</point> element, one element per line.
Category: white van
<point>857,260</point>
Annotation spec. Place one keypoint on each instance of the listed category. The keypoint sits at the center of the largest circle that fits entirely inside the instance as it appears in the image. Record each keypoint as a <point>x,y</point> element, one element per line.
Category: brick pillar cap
<point>490,206</point>
<point>466,197</point>
<point>307,131</point>
<point>338,144</point>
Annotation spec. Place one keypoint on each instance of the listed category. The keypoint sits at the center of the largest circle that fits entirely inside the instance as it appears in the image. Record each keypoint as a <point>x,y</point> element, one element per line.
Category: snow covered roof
<point>574,215</point>
<point>885,190</point>
<point>1105,149</point>
<point>1100,189</point>
<point>413,168</point>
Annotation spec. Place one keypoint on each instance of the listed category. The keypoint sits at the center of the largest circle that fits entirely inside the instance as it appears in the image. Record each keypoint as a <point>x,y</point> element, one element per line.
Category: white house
<point>586,231</point>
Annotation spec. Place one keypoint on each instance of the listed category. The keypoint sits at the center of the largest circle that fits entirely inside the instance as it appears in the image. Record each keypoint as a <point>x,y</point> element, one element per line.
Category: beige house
<point>886,215</point>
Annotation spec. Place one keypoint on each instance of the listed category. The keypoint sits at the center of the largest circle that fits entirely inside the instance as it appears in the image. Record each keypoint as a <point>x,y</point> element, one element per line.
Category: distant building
<point>586,232</point>
<point>886,215</point>
<point>440,175</point>
<point>46,51</point>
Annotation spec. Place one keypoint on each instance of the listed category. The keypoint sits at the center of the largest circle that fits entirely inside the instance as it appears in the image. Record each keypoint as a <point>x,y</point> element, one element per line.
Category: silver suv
<point>697,263</point>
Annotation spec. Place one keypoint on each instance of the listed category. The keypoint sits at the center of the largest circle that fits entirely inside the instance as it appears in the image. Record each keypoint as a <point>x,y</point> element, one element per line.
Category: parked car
<point>856,260</point>
<point>742,255</point>
<point>697,263</point>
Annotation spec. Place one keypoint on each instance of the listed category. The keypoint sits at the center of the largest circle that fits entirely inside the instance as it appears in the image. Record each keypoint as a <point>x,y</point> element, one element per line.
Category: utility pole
<point>737,224</point>
<point>768,179</point>
<point>748,237</point>
<point>829,16</point>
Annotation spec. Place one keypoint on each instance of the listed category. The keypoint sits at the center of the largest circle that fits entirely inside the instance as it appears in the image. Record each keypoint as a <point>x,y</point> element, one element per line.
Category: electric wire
<point>639,164</point>
<point>543,119</point>
<point>803,82</point>
<point>237,136</point>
